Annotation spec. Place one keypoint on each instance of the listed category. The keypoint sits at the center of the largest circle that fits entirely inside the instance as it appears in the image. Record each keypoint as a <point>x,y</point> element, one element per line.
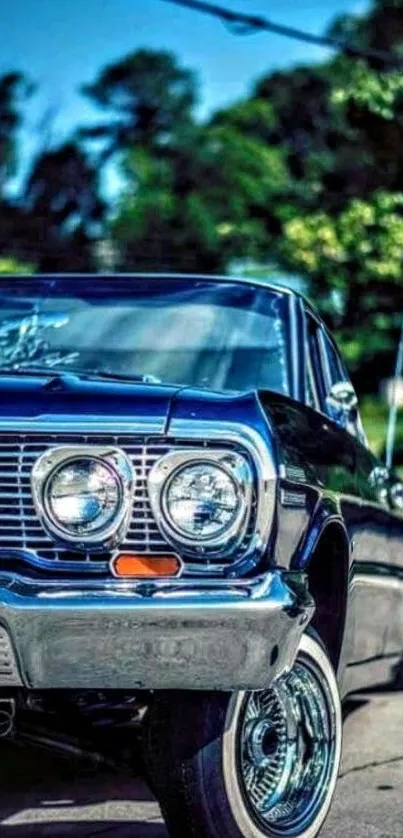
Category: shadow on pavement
<point>352,704</point>
<point>44,794</point>
<point>104,828</point>
<point>398,684</point>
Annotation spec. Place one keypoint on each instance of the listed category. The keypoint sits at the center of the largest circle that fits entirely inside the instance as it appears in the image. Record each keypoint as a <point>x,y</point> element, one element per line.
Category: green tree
<point>306,173</point>
<point>57,217</point>
<point>200,203</point>
<point>340,125</point>
<point>14,90</point>
<point>147,98</point>
<point>362,249</point>
<point>62,210</point>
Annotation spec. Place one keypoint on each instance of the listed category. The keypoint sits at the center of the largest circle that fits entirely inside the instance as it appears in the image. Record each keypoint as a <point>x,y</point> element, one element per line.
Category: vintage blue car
<point>190,515</point>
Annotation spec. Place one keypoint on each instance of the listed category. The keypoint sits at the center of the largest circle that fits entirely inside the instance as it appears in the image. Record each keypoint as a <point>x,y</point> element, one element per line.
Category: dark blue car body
<point>335,546</point>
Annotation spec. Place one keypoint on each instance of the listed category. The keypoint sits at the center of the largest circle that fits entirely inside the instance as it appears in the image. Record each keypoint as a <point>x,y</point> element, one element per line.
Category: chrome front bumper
<point>179,635</point>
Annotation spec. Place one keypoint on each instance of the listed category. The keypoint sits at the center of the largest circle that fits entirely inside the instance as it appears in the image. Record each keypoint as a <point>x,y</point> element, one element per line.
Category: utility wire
<point>245,24</point>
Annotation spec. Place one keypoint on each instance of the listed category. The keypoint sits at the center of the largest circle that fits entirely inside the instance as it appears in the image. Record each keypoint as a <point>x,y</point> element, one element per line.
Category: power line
<point>245,24</point>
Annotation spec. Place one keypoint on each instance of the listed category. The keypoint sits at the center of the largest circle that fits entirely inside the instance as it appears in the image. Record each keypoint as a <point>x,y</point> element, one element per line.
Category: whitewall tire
<point>258,764</point>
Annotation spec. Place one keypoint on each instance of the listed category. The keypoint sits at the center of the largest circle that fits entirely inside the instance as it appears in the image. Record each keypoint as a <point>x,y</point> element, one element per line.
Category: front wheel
<point>249,764</point>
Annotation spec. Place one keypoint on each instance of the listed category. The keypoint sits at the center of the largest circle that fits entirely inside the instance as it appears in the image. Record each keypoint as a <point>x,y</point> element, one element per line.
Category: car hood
<point>72,399</point>
<point>65,401</point>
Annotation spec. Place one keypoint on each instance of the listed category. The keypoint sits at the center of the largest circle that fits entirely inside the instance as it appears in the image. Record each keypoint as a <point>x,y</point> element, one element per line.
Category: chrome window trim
<point>234,465</point>
<point>311,378</point>
<point>296,381</point>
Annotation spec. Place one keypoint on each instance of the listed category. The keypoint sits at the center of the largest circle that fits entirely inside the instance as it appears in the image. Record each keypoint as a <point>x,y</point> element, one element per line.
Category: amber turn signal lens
<point>127,565</point>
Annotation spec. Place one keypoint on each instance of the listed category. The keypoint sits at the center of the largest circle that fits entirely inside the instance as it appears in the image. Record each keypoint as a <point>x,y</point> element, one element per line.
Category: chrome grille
<point>22,537</point>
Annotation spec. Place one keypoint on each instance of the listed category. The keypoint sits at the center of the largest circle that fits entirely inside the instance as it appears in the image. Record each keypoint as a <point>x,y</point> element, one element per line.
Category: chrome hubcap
<point>288,749</point>
<point>261,741</point>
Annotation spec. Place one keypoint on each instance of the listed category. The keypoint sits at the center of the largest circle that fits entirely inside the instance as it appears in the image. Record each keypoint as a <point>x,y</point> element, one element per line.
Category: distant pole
<point>390,439</point>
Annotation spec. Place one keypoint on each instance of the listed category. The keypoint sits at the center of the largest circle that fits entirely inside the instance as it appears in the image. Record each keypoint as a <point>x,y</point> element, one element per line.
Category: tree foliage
<point>14,90</point>
<point>63,209</point>
<point>13,266</point>
<point>147,98</point>
<point>362,247</point>
<point>304,173</point>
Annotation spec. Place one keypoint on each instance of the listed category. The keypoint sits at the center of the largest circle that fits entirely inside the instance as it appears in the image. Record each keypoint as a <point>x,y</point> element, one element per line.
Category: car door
<point>376,592</point>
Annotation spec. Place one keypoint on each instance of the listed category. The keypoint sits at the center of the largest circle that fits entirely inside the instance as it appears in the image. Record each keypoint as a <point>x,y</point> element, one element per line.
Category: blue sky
<point>62,43</point>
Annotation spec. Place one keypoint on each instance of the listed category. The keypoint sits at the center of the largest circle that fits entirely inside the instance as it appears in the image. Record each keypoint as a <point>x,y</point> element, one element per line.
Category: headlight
<point>83,496</point>
<point>202,499</point>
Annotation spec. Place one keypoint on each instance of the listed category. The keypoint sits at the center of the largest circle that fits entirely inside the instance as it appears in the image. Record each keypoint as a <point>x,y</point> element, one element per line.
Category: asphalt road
<point>44,794</point>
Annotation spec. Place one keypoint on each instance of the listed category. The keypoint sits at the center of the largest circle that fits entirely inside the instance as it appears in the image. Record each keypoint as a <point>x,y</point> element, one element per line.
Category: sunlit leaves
<point>379,92</point>
<point>9,265</point>
<point>363,242</point>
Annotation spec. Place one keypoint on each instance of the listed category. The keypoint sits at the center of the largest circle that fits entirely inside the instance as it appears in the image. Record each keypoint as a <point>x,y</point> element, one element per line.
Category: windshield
<point>216,335</point>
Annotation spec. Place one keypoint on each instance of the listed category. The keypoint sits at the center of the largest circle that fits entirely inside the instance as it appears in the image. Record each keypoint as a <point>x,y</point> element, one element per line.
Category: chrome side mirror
<point>342,403</point>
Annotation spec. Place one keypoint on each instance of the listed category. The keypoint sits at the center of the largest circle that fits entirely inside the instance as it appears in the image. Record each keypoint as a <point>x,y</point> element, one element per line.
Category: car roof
<point>271,286</point>
<point>246,280</point>
<point>242,280</point>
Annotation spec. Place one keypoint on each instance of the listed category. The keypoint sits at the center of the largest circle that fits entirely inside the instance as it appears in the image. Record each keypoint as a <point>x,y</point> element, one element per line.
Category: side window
<point>333,368</point>
<point>313,383</point>
<point>336,373</point>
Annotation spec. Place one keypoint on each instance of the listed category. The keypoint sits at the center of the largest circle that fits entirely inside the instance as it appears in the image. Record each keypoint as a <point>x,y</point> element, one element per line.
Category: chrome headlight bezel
<point>115,461</point>
<point>235,466</point>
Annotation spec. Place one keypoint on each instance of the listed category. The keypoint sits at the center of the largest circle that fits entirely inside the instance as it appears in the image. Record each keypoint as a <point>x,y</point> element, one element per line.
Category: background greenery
<point>303,176</point>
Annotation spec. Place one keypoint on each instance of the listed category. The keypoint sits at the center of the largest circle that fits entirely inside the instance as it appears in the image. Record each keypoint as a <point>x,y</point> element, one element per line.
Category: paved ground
<point>46,795</point>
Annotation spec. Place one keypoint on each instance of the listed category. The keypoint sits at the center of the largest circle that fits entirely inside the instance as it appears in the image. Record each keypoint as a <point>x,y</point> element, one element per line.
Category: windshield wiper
<point>54,372</point>
<point>122,376</point>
